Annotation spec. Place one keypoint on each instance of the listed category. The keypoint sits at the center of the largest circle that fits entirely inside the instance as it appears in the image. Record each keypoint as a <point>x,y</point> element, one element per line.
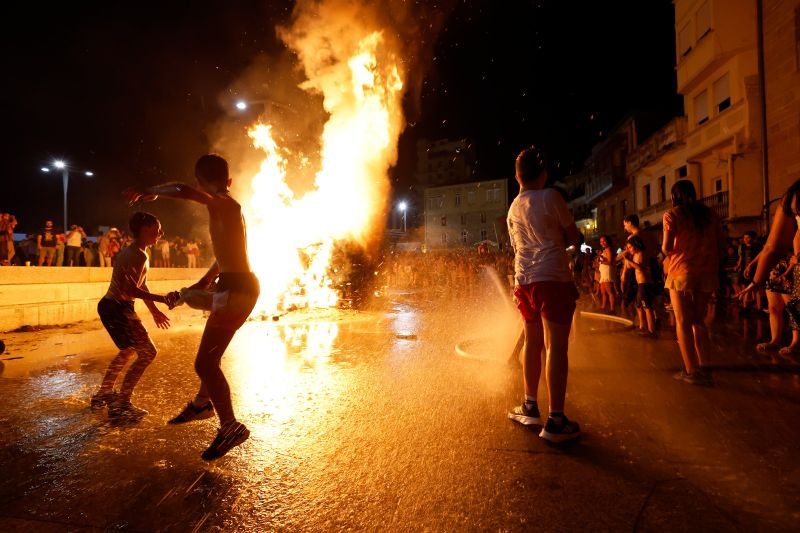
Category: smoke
<point>317,172</point>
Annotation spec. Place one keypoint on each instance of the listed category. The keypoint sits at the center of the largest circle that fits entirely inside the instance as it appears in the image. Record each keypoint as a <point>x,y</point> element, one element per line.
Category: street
<point>371,421</point>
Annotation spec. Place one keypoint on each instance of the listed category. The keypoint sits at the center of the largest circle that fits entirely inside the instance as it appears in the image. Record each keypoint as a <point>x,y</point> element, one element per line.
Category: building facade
<point>717,75</point>
<point>782,80</point>
<point>461,215</point>
<point>654,166</point>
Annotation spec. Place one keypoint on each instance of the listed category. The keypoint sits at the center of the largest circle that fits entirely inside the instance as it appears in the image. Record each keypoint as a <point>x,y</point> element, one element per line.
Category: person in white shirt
<point>75,237</point>
<point>541,229</point>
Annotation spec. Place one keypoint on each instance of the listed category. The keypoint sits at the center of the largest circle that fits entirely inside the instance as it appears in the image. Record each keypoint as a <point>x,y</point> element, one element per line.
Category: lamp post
<point>64,168</point>
<point>403,208</point>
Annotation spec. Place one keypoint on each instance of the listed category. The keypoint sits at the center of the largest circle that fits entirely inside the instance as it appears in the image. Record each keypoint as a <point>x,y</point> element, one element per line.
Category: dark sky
<point>131,90</point>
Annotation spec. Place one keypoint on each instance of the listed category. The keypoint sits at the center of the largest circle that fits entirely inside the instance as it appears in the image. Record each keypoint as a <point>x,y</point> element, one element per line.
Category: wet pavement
<point>370,420</point>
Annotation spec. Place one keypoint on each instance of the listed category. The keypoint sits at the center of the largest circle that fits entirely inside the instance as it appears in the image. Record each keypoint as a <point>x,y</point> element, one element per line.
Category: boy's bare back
<point>228,233</point>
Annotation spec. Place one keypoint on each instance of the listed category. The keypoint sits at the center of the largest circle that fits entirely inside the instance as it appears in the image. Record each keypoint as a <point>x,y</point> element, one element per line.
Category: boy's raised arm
<point>177,190</point>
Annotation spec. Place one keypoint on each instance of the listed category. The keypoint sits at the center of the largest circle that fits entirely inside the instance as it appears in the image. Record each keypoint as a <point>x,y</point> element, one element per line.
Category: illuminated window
<point>458,199</point>
<point>471,197</point>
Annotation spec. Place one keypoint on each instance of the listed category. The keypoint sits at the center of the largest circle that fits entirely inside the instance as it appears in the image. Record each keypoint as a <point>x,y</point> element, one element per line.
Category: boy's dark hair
<point>636,242</point>
<point>752,234</point>
<point>531,162</point>
<point>633,219</point>
<point>684,198</point>
<point>212,168</point>
<point>609,242</point>
<point>139,220</point>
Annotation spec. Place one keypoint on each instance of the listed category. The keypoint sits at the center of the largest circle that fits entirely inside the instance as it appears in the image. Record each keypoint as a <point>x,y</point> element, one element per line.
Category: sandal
<point>789,350</point>
<point>764,347</point>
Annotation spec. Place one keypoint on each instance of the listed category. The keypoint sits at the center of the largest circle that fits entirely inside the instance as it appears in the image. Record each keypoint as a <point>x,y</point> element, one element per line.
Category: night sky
<point>132,91</point>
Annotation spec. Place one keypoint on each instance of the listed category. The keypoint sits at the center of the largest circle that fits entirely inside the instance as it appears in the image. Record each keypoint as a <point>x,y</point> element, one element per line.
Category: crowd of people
<point>54,247</point>
<point>456,271</point>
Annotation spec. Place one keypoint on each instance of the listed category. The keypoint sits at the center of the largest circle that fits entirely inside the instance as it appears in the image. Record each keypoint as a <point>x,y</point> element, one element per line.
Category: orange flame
<point>291,238</point>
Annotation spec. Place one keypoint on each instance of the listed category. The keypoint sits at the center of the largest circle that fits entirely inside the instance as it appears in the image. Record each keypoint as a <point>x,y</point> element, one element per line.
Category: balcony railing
<point>718,203</point>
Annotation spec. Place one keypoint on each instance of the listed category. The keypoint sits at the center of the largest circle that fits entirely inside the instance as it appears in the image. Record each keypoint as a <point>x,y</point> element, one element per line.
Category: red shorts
<point>553,300</point>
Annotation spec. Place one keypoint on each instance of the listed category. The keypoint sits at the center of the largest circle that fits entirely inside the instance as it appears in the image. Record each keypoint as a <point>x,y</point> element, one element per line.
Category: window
<point>646,192</point>
<point>722,93</point>
<point>444,238</point>
<point>471,197</point>
<point>463,220</point>
<point>435,202</point>
<point>685,40</point>
<point>483,234</point>
<point>624,205</point>
<point>458,199</point>
<point>493,195</point>
<point>701,108</point>
<point>718,185</point>
<point>444,220</point>
<point>464,236</point>
<point>703,24</point>
<point>662,189</point>
<point>483,216</point>
<point>683,172</point>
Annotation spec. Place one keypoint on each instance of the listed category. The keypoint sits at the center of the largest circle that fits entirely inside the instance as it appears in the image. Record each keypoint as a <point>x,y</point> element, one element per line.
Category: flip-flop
<point>786,350</point>
<point>765,347</point>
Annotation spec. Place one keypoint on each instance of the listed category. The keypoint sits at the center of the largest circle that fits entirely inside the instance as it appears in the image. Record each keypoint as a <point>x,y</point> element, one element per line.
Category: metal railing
<point>717,202</point>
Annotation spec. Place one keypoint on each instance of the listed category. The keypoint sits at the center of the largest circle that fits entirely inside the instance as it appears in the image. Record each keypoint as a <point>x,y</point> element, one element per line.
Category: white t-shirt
<point>75,238</point>
<point>536,223</point>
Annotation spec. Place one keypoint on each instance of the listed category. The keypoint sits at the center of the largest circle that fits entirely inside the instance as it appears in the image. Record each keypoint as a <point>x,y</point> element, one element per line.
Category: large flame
<point>291,238</point>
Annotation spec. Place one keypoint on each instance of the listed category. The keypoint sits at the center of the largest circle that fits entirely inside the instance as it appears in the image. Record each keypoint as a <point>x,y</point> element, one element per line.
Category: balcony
<point>719,129</point>
<point>718,203</point>
<point>662,141</point>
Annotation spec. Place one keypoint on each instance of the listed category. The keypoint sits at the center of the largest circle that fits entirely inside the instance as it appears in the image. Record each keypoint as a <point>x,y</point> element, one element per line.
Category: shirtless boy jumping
<point>235,296</point>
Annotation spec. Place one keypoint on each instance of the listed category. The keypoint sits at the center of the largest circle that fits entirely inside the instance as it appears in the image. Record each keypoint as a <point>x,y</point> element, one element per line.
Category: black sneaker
<point>525,416</point>
<point>232,435</point>
<point>560,431</point>
<point>125,409</point>
<point>102,399</point>
<point>191,413</point>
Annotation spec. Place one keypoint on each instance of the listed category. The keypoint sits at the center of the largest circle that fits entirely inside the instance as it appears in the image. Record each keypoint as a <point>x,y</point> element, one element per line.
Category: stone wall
<point>47,296</point>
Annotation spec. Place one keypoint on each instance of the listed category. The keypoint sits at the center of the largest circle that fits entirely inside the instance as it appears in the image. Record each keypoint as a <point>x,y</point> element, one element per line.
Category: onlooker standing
<point>607,273</point>
<point>75,237</point>
<point>541,228</point>
<point>102,249</point>
<point>192,252</point>
<point>163,245</point>
<point>89,253</point>
<point>692,245</point>
<point>46,245</point>
<point>61,244</point>
<point>748,251</point>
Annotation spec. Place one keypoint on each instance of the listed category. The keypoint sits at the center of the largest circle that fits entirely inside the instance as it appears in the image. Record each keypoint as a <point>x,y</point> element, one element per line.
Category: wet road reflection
<point>371,421</point>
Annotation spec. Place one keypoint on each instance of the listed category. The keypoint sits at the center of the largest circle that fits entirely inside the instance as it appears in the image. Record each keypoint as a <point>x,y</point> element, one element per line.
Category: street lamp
<point>243,105</point>
<point>65,168</point>
<point>403,207</point>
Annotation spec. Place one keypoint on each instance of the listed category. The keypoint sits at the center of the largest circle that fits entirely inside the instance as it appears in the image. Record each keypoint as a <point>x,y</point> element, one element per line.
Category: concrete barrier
<point>47,296</point>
